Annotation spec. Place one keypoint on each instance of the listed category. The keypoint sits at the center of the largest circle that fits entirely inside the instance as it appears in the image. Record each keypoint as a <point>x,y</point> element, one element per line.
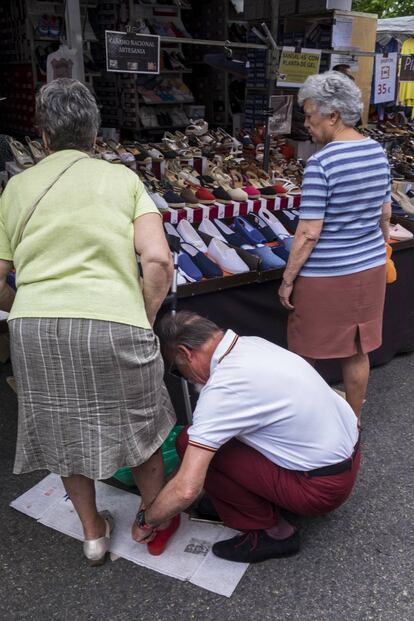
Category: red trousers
<point>247,489</point>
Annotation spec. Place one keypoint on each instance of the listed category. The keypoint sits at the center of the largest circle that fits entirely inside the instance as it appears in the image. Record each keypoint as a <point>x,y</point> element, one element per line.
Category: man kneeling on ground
<point>268,433</point>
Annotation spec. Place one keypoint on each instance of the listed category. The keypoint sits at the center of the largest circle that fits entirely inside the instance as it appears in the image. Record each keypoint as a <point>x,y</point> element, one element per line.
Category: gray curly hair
<point>67,112</point>
<point>333,92</point>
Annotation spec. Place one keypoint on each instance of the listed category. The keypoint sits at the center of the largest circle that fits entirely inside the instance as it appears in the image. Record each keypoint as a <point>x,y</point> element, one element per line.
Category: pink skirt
<point>334,314</point>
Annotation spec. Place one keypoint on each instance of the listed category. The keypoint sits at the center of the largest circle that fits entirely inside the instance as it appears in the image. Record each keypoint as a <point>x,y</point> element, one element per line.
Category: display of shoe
<point>21,155</point>
<point>269,259</point>
<point>190,235</point>
<point>226,257</point>
<point>208,268</point>
<point>221,196</point>
<point>192,272</point>
<point>231,236</point>
<point>256,546</point>
<point>247,231</point>
<point>159,200</point>
<point>36,149</point>
<point>198,127</point>
<point>188,195</point>
<point>208,227</point>
<point>174,200</point>
<point>204,196</point>
<point>262,226</point>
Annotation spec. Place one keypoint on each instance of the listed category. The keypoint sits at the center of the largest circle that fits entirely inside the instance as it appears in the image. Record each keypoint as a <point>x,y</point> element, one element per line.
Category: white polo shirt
<point>275,402</point>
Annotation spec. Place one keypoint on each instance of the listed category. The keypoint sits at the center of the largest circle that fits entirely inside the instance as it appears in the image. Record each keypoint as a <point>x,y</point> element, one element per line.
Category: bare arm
<point>181,491</point>
<point>306,237</point>
<point>6,293</point>
<point>385,220</point>
<point>156,261</point>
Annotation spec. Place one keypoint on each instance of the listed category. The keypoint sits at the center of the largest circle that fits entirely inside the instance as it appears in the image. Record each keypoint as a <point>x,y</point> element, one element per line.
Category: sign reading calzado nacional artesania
<point>127,52</point>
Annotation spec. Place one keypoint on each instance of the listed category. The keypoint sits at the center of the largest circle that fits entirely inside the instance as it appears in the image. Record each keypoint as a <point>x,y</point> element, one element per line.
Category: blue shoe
<point>289,220</point>
<point>281,252</point>
<point>269,259</point>
<point>248,231</point>
<point>231,237</point>
<point>262,226</point>
<point>189,268</point>
<point>208,268</point>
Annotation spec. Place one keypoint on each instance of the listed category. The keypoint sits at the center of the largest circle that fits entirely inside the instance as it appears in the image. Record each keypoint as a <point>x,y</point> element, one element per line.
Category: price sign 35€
<point>385,77</point>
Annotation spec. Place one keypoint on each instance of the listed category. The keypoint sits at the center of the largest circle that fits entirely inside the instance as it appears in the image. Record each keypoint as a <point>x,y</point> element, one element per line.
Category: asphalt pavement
<point>355,564</point>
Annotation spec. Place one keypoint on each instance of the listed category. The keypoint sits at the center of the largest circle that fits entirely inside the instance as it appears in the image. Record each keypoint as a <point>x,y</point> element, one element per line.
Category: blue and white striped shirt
<point>345,185</point>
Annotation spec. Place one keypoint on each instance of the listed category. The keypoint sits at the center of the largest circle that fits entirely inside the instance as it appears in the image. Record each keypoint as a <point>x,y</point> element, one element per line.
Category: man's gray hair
<point>333,92</point>
<point>67,112</point>
<point>185,328</point>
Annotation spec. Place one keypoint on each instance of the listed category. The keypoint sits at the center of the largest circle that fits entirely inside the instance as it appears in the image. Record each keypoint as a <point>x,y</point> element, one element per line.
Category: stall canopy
<point>399,27</point>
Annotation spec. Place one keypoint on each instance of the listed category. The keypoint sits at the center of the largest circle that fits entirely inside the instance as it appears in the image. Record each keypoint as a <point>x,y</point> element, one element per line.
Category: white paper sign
<point>346,59</point>
<point>342,32</point>
<point>385,77</point>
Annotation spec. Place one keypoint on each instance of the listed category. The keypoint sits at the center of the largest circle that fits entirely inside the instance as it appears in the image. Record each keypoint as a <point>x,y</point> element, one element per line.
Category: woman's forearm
<point>304,242</point>
<point>385,221</point>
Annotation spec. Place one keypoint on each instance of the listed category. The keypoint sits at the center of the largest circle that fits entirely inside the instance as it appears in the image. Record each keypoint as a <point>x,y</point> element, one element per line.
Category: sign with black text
<point>127,52</point>
<point>385,77</point>
<point>407,68</point>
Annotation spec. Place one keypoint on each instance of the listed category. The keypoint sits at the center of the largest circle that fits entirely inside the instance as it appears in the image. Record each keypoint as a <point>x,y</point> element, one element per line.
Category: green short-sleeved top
<point>76,258</point>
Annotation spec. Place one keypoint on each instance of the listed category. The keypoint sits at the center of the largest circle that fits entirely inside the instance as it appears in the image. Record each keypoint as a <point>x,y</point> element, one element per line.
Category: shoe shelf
<point>226,282</point>
<point>178,71</point>
<point>220,210</point>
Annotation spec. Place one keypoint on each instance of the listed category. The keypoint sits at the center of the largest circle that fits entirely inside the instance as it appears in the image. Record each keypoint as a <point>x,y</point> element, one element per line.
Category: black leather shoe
<point>256,546</point>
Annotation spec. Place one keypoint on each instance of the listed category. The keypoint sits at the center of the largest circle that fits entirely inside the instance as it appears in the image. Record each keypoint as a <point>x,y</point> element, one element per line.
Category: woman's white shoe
<point>96,550</point>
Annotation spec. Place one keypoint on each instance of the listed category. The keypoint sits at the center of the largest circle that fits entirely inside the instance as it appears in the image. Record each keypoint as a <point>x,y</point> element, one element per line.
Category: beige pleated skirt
<point>91,396</point>
<point>334,314</point>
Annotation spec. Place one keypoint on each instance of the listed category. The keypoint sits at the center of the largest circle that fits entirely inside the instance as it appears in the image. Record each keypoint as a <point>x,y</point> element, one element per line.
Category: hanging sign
<point>127,52</point>
<point>295,67</point>
<point>407,68</point>
<point>281,120</point>
<point>385,77</point>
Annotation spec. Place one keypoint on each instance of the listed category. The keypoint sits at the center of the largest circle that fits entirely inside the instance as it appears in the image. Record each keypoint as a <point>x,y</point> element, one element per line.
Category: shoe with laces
<point>256,546</point>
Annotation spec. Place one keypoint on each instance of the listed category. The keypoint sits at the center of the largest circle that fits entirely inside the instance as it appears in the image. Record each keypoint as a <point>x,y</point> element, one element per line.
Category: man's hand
<point>142,535</point>
<point>285,292</point>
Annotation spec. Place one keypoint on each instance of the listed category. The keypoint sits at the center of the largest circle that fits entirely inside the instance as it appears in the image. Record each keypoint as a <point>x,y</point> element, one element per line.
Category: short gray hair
<point>333,92</point>
<point>67,112</point>
<point>185,328</point>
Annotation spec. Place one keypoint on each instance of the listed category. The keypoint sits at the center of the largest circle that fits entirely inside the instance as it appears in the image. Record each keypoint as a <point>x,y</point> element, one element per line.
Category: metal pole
<point>184,384</point>
<point>273,64</point>
<point>74,32</point>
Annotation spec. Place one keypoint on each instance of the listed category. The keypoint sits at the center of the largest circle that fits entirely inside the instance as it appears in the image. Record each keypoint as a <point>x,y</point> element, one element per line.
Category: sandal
<point>36,148</point>
<point>21,155</point>
<point>125,156</point>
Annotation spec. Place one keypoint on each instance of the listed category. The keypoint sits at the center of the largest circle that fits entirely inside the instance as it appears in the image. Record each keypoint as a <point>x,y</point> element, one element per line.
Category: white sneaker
<point>209,228</point>
<point>226,257</point>
<point>190,235</point>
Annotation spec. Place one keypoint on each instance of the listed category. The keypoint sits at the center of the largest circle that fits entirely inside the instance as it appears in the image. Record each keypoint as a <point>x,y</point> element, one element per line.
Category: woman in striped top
<point>334,282</point>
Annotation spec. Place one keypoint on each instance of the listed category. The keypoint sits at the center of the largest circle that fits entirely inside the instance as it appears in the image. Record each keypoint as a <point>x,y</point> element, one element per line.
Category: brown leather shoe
<point>189,196</point>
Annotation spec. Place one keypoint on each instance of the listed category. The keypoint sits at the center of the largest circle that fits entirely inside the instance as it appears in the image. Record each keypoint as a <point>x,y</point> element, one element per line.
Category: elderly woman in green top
<point>87,363</point>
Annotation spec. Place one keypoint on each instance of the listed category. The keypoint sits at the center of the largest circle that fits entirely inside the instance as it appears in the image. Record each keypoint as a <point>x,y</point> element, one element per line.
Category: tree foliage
<point>384,8</point>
